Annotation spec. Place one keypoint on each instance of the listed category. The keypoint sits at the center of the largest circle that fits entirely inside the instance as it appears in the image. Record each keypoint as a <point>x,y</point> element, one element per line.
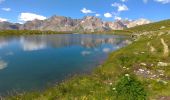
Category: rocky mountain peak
<point>86,24</point>
<point>90,17</point>
<point>137,22</point>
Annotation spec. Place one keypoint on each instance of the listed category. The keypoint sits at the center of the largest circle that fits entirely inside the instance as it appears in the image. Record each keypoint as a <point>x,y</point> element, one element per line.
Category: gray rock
<point>61,23</point>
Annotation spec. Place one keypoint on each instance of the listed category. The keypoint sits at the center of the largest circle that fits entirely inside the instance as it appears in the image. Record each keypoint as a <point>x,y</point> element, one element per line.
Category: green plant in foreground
<point>129,88</point>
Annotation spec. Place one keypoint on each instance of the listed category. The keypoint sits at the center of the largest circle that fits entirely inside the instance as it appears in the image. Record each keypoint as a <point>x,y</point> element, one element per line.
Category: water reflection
<point>3,42</point>
<point>3,64</point>
<point>106,50</point>
<point>10,53</point>
<point>32,43</point>
<point>33,62</point>
<point>84,53</point>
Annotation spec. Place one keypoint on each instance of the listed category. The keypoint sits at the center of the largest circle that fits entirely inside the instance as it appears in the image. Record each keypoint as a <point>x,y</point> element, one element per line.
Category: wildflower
<point>127,75</point>
<point>142,52</point>
<point>113,89</point>
<point>124,67</point>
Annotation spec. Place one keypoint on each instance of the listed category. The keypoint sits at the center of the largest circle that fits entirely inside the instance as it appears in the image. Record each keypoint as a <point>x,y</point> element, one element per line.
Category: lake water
<point>37,61</point>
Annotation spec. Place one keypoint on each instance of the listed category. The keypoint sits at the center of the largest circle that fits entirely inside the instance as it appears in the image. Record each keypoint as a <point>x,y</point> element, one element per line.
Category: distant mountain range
<point>61,23</point>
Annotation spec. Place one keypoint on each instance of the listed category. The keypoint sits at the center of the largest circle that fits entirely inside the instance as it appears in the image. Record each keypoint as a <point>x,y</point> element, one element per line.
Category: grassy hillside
<point>140,71</point>
<point>156,26</point>
<point>27,32</point>
<point>162,25</point>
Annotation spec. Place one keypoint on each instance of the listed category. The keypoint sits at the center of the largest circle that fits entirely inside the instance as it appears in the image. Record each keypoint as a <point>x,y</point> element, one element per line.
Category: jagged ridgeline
<point>61,23</point>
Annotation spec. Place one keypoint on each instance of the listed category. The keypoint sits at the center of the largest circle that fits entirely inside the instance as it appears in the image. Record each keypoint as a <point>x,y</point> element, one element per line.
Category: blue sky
<point>25,10</point>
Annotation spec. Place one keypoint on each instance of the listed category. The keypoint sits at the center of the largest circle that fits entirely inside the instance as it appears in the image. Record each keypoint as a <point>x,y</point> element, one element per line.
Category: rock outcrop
<point>61,23</point>
<point>9,26</point>
<point>138,22</point>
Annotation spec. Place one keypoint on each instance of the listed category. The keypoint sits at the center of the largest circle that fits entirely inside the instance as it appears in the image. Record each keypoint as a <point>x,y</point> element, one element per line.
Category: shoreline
<point>101,82</point>
<point>71,77</point>
<point>50,85</point>
<point>107,81</point>
<point>139,71</point>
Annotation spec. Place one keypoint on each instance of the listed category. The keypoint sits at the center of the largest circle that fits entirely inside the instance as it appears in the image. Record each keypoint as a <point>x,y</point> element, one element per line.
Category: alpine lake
<point>34,62</point>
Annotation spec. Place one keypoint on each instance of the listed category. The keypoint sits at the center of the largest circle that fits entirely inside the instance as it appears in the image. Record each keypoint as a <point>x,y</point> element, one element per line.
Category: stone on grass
<point>162,64</point>
<point>143,64</point>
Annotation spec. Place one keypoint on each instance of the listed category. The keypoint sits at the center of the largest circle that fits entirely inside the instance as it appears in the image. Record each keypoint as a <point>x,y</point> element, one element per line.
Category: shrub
<point>129,88</point>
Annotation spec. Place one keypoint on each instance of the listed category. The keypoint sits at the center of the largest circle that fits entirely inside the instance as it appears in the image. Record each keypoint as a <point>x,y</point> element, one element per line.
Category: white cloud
<point>30,17</point>
<point>3,19</point>
<point>20,22</point>
<point>86,11</point>
<point>163,1</point>
<point>108,15</point>
<point>2,1</point>
<point>145,1</point>
<point>124,0</point>
<point>120,7</point>
<point>117,18</point>
<point>6,9</point>
<point>97,15</point>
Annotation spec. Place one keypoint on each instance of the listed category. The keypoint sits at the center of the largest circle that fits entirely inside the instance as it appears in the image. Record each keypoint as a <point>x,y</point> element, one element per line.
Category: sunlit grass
<point>121,77</point>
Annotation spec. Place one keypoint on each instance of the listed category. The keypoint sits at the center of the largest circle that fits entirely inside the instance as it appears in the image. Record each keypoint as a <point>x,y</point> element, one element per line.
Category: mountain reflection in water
<point>35,61</point>
<point>31,43</point>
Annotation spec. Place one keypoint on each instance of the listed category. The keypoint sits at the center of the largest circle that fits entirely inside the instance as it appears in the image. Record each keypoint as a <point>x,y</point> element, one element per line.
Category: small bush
<point>129,88</point>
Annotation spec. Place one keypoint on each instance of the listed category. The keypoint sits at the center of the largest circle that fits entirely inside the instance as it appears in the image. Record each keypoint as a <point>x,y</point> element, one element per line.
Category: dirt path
<point>165,49</point>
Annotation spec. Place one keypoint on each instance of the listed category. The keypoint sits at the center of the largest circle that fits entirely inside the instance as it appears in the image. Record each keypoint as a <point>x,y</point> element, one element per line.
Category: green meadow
<point>139,71</point>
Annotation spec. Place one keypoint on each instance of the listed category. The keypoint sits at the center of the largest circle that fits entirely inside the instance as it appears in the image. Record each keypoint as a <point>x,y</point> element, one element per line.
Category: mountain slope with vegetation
<point>152,27</point>
<point>28,32</point>
<point>140,71</point>
<point>162,25</point>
